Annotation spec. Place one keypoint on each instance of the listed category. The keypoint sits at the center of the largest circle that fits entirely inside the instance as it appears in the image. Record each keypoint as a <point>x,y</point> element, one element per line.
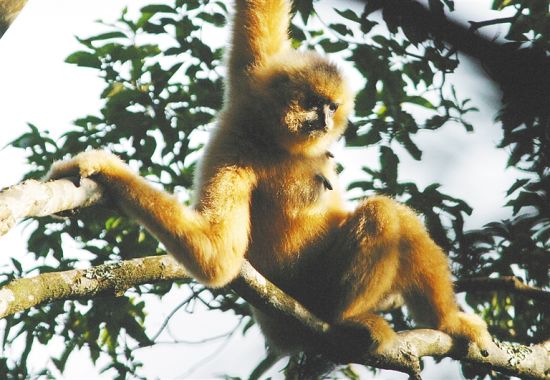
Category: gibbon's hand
<point>85,164</point>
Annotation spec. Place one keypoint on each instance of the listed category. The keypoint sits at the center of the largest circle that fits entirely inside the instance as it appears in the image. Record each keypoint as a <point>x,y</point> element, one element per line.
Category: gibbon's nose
<point>328,112</point>
<point>316,123</point>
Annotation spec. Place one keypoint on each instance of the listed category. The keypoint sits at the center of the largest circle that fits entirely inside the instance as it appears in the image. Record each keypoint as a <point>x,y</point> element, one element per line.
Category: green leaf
<point>525,199</point>
<point>84,59</point>
<point>366,98</point>
<point>297,33</point>
<point>304,8</point>
<point>372,137</point>
<point>341,29</point>
<point>468,126</point>
<point>419,101</point>
<point>136,331</point>
<point>450,4</point>
<point>543,233</point>
<point>367,25</point>
<point>348,14</point>
<point>217,19</point>
<point>222,5</point>
<point>17,265</point>
<point>158,8</point>
<point>202,51</point>
<point>145,17</point>
<point>153,28</point>
<point>436,122</point>
<point>410,146</point>
<point>389,162</point>
<point>519,183</point>
<point>104,36</point>
<point>333,47</point>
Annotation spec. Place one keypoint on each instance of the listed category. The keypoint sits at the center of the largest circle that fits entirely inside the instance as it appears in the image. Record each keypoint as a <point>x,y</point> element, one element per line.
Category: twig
<point>480,24</point>
<point>209,357</point>
<point>169,317</point>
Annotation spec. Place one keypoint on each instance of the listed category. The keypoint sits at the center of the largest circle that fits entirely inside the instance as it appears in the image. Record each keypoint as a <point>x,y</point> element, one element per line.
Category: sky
<point>38,87</point>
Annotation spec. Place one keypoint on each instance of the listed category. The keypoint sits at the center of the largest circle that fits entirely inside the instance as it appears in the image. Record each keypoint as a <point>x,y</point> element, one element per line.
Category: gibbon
<point>266,190</point>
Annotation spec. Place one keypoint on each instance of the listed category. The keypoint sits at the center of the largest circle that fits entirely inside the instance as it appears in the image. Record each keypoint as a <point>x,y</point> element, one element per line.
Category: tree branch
<point>113,278</point>
<point>116,278</point>
<point>503,20</point>
<point>34,198</point>
<point>511,284</point>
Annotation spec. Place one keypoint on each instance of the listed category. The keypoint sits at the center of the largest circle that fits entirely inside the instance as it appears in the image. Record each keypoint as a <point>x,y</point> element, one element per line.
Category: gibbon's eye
<point>313,101</point>
<point>332,107</point>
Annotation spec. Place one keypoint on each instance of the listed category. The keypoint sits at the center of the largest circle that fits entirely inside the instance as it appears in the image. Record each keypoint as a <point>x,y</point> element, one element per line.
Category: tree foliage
<point>163,88</point>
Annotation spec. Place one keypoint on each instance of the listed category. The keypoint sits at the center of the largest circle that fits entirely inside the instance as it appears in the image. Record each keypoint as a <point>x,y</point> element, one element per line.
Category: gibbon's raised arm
<point>260,30</point>
<point>210,241</point>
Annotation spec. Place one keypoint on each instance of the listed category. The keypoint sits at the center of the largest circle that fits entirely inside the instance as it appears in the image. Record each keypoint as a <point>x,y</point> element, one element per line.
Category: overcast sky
<point>37,87</point>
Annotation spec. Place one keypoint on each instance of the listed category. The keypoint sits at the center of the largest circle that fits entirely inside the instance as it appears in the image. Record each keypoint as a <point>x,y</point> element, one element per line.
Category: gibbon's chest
<point>295,188</point>
<point>292,210</point>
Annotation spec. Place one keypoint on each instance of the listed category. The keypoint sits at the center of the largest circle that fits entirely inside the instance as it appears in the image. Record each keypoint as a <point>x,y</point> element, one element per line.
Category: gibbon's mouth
<point>310,126</point>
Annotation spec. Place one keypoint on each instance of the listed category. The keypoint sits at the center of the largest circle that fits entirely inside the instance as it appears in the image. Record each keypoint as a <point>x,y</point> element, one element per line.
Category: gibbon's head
<point>304,102</point>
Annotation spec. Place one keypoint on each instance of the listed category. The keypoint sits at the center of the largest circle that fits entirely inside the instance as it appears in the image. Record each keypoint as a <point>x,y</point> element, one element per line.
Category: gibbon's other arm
<point>210,242</point>
<point>260,31</point>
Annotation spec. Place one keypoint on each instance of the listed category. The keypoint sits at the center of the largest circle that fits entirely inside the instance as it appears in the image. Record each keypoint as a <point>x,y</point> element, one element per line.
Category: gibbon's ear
<point>260,31</point>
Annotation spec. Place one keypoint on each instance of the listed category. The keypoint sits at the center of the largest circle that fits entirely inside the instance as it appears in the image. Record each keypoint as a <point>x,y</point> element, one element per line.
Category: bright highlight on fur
<point>266,189</point>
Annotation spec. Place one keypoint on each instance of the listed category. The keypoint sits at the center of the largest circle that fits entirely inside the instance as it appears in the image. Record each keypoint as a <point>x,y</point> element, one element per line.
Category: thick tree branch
<point>117,277</point>
<point>21,294</point>
<point>114,278</point>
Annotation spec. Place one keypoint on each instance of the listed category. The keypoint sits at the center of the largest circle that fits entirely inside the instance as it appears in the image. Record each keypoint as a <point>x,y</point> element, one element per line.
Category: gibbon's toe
<point>478,332</point>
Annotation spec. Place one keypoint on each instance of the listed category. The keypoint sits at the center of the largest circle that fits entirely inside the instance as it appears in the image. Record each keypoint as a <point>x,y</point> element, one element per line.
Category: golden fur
<point>266,189</point>
<point>9,9</point>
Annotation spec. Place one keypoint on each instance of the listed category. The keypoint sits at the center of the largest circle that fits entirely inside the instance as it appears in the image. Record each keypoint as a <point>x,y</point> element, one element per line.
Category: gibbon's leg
<point>382,250</point>
<point>429,290</point>
<point>363,263</point>
<point>210,241</point>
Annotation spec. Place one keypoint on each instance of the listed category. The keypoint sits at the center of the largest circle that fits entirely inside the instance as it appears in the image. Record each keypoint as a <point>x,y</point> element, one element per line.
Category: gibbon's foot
<point>84,165</point>
<point>376,336</point>
<point>469,327</point>
<point>350,338</point>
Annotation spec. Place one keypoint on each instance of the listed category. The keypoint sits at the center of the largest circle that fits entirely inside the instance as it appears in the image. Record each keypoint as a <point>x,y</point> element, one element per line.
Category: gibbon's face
<point>305,103</point>
<point>309,113</point>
